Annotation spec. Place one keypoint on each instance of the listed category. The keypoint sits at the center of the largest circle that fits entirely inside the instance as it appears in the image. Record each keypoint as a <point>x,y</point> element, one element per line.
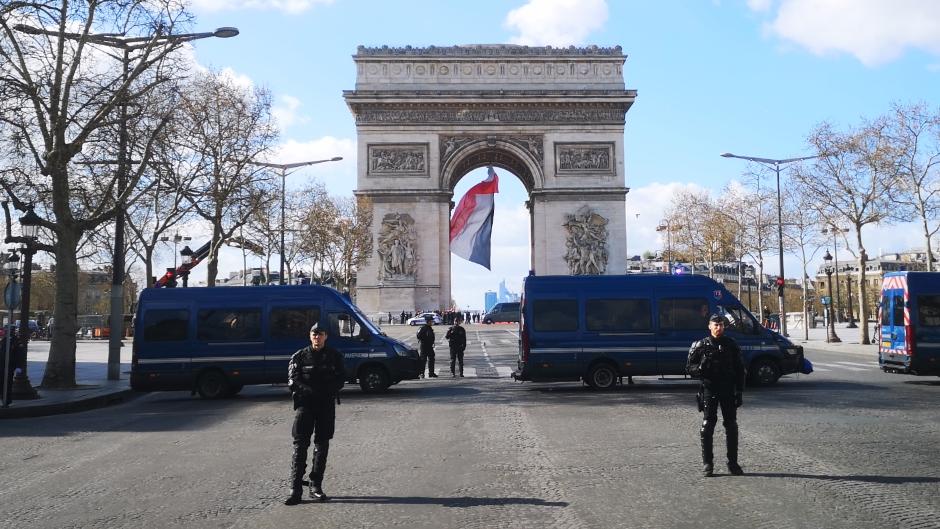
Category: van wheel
<point>212,385</point>
<point>602,376</point>
<point>764,372</point>
<point>373,379</point>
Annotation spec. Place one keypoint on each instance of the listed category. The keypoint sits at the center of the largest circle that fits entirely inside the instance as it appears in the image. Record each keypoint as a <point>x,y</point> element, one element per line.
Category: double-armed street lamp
<point>283,168</point>
<point>667,227</point>
<point>127,45</point>
<point>176,239</point>
<point>831,336</point>
<point>781,281</point>
<point>29,234</point>
<point>187,256</point>
<point>835,230</point>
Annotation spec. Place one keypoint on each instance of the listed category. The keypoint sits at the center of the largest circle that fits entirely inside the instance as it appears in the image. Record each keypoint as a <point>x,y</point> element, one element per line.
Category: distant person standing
<point>426,340</point>
<point>457,340</point>
<point>716,360</point>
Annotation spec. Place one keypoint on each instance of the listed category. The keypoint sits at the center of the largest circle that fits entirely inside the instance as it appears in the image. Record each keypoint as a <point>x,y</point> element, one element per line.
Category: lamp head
<point>727,155</point>
<point>30,223</point>
<point>187,255</point>
<point>827,257</point>
<point>225,32</point>
<point>336,158</point>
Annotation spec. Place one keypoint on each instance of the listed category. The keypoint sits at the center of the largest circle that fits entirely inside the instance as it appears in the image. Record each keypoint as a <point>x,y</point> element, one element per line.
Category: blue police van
<point>601,328</point>
<point>909,323</point>
<point>216,340</point>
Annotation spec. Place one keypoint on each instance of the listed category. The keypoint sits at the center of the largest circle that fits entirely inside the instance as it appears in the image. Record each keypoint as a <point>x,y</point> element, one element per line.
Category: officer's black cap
<point>317,329</point>
<point>716,319</point>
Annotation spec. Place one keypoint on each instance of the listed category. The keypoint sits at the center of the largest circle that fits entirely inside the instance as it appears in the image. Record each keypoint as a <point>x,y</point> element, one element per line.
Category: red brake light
<point>909,339</point>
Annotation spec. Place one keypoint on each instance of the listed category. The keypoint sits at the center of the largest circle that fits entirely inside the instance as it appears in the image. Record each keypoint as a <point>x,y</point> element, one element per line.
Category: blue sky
<point>751,77</point>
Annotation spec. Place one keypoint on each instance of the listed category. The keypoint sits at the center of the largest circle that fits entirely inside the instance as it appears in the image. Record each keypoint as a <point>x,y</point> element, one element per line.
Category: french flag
<point>472,223</point>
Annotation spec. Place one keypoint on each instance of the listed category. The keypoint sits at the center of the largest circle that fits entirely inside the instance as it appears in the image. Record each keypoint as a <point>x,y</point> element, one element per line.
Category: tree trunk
<point>212,266</point>
<point>862,298</point>
<point>927,245</point>
<point>60,367</point>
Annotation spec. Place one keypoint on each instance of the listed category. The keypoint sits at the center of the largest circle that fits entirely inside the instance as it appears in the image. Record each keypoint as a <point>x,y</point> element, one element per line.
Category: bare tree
<point>224,129</point>
<point>60,103</point>
<point>315,228</point>
<point>350,243</point>
<point>801,233</point>
<point>850,182</point>
<point>915,132</point>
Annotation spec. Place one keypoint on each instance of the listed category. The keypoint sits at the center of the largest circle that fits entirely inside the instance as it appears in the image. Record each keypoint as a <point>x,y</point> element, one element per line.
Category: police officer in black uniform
<point>315,376</point>
<point>457,340</point>
<point>717,361</point>
<point>426,343</point>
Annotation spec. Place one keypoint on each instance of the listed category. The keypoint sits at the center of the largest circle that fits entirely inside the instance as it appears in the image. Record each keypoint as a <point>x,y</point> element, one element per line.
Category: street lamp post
<point>11,267</point>
<point>176,239</point>
<point>749,271</point>
<point>667,227</point>
<point>834,230</point>
<point>126,45</point>
<point>775,164</point>
<point>187,258</point>
<point>848,295</point>
<point>831,336</point>
<point>283,168</point>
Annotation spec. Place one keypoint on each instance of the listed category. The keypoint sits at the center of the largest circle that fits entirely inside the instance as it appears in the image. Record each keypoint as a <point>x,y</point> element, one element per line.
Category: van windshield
<point>366,322</point>
<point>739,319</point>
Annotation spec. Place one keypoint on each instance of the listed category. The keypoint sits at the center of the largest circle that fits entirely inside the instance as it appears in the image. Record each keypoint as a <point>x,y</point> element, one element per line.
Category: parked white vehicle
<point>419,319</point>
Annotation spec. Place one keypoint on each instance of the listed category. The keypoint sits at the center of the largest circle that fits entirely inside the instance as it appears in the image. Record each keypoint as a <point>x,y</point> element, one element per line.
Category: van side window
<point>166,325</point>
<point>618,315</point>
<point>885,310</point>
<point>928,311</point>
<point>292,324</point>
<point>345,326</point>
<point>738,319</point>
<point>229,325</point>
<point>555,315</point>
<point>899,309</point>
<point>683,314</point>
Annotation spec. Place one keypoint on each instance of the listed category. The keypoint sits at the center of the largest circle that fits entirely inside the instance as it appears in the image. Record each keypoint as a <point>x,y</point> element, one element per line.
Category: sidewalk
<point>851,339</point>
<point>94,390</point>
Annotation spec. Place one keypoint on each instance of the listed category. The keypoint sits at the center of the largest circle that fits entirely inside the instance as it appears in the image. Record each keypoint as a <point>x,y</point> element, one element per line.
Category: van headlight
<point>401,350</point>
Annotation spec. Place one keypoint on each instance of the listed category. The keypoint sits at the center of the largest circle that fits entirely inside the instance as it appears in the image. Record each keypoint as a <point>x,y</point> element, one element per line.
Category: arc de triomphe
<point>425,117</point>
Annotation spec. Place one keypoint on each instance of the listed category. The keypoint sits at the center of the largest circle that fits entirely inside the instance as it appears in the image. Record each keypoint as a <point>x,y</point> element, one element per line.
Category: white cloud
<point>338,177</point>
<point>759,5</point>
<point>285,112</point>
<point>556,22</point>
<point>874,31</point>
<point>237,79</point>
<point>288,6</point>
<point>650,202</point>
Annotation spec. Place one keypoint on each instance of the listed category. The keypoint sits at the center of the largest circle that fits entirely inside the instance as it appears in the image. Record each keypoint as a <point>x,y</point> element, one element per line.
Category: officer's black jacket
<point>426,338</point>
<point>322,371</point>
<point>718,363</point>
<point>457,338</point>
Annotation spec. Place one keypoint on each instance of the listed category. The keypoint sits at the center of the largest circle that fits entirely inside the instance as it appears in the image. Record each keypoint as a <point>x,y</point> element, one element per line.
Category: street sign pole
<point>11,296</point>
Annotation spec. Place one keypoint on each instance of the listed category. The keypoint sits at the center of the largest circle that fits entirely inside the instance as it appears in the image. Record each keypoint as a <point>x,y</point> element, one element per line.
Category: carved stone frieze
<point>397,244</point>
<point>398,159</point>
<point>487,50</point>
<point>530,143</point>
<point>587,242</point>
<point>490,114</point>
<point>584,158</point>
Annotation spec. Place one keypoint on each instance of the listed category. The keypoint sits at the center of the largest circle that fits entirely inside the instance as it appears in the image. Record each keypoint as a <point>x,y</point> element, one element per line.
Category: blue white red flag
<point>472,223</point>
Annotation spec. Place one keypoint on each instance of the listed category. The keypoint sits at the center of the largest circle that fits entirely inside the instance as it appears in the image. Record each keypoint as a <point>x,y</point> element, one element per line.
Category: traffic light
<point>780,282</point>
<point>170,278</point>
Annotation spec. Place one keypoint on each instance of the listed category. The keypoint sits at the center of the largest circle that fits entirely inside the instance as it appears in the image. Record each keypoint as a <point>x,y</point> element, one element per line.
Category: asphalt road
<point>847,446</point>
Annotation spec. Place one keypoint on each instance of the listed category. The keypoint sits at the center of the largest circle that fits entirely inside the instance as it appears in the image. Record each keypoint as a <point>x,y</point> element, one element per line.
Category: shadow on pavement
<point>460,501</point>
<point>894,480</point>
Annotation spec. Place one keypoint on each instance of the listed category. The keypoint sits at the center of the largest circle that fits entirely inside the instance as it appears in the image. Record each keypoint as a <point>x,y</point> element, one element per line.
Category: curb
<point>73,406</point>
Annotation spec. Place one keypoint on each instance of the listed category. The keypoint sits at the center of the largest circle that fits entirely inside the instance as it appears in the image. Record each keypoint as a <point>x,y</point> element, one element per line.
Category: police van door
<point>350,337</point>
<point>681,321</point>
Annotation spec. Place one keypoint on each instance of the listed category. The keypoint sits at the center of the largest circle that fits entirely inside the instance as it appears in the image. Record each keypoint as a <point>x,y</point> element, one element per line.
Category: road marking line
<point>839,366</point>
<point>868,364</point>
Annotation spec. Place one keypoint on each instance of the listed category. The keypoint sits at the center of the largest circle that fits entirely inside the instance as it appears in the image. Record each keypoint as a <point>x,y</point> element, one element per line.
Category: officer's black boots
<point>732,434</point>
<point>708,470</point>
<point>298,465</point>
<point>320,453</point>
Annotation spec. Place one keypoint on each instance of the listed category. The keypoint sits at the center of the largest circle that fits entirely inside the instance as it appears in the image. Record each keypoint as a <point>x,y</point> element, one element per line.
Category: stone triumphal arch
<point>425,117</point>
